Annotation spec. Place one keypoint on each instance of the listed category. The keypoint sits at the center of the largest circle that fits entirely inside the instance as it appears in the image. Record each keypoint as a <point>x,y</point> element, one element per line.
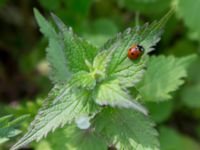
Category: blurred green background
<point>23,69</point>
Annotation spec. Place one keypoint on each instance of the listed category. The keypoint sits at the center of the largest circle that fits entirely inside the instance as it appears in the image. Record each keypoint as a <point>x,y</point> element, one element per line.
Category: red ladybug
<point>135,51</point>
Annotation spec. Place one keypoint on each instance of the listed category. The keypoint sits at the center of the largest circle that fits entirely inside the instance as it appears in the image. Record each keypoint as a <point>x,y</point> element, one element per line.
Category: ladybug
<point>135,51</point>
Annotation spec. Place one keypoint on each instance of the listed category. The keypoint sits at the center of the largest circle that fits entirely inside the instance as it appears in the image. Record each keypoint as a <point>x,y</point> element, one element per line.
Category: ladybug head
<point>141,48</point>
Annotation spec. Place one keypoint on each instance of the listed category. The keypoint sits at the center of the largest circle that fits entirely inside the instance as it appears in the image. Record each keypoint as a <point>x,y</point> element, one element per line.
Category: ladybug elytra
<point>135,51</point>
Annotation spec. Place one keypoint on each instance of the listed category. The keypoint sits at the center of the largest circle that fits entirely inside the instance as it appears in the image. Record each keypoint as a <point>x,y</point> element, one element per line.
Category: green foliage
<point>76,138</point>
<point>8,127</point>
<point>104,26</point>
<point>77,50</point>
<point>27,107</point>
<point>120,65</point>
<point>63,105</point>
<point>100,30</point>
<point>79,11</point>
<point>136,132</point>
<point>163,76</point>
<point>181,48</point>
<point>188,11</point>
<point>51,5</point>
<point>100,64</point>
<point>110,93</point>
<point>2,2</point>
<point>55,50</point>
<point>146,6</point>
<point>97,89</point>
<point>161,111</point>
<point>93,89</point>
<point>126,129</point>
<point>172,140</point>
<point>72,100</point>
<point>83,79</point>
<point>191,96</point>
<point>190,93</point>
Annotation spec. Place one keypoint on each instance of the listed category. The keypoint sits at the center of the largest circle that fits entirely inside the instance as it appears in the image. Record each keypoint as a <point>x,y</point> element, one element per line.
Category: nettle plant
<point>98,92</point>
<point>8,127</point>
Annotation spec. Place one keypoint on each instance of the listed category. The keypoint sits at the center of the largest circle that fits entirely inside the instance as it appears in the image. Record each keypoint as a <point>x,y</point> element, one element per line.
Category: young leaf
<point>100,64</point>
<point>83,79</point>
<point>72,138</point>
<point>126,129</point>
<point>77,50</point>
<point>63,105</point>
<point>163,76</point>
<point>110,93</point>
<point>55,51</point>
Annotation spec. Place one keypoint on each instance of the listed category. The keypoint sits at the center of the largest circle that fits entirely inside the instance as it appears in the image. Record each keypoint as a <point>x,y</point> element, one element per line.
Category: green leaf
<point>100,64</point>
<point>59,72</point>
<point>163,76</point>
<point>189,12</point>
<point>191,96</point>
<point>73,138</point>
<point>161,111</point>
<point>172,140</point>
<point>45,27</point>
<point>146,6</point>
<point>126,129</point>
<point>83,79</point>
<point>75,100</point>
<point>55,51</point>
<point>181,48</point>
<point>130,75</point>
<point>110,93</point>
<point>120,65</point>
<point>50,4</point>
<point>78,11</point>
<point>194,71</point>
<point>8,127</point>
<point>77,50</point>
<point>63,105</point>
<point>120,45</point>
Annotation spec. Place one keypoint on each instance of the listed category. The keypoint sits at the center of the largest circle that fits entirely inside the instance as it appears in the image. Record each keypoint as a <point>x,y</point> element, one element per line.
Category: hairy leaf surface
<point>77,50</point>
<point>72,138</point>
<point>83,79</point>
<point>110,93</point>
<point>63,105</point>
<point>120,65</point>
<point>163,76</point>
<point>55,51</point>
<point>126,129</point>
